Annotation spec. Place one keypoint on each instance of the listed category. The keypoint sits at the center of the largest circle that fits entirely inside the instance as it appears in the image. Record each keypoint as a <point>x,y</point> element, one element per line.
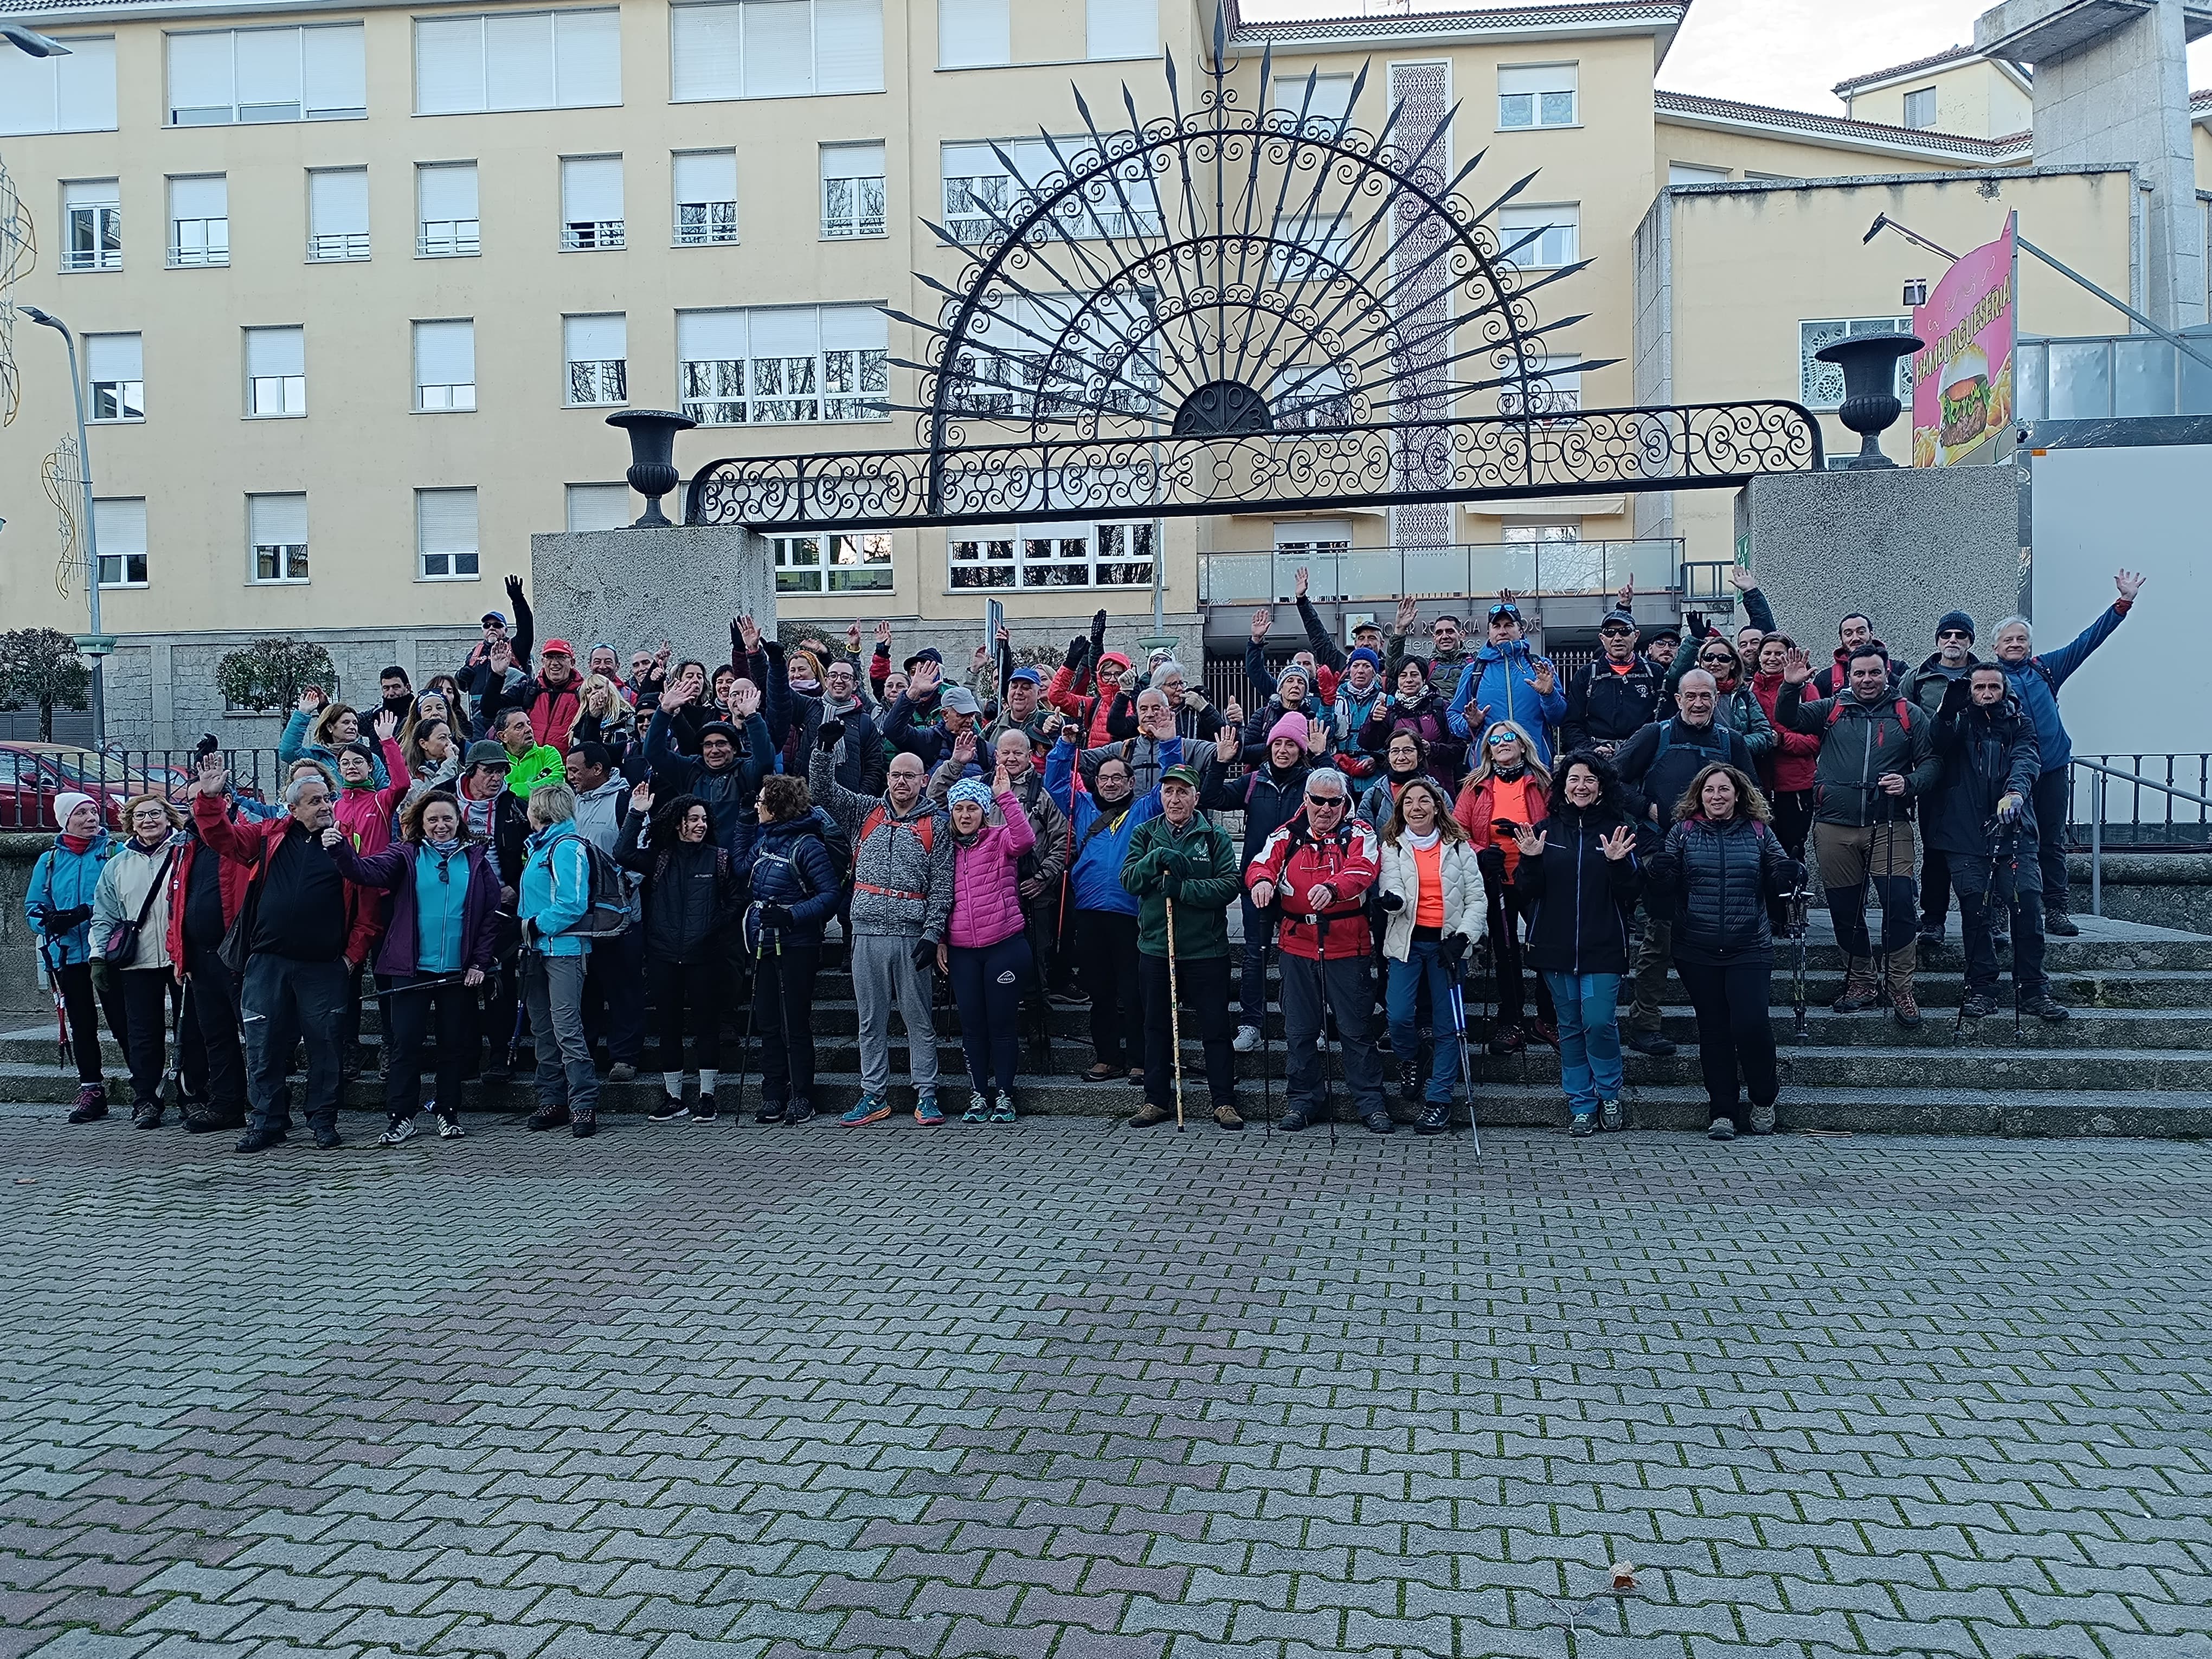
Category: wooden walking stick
<point>1175,1015</point>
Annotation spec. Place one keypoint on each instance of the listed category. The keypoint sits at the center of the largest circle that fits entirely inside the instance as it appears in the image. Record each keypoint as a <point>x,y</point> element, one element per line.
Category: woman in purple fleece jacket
<point>986,954</point>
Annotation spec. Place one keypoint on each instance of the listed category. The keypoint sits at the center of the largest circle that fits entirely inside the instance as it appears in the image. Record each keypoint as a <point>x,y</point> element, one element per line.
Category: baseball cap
<point>1616,618</point>
<point>1369,627</point>
<point>1029,674</point>
<point>492,617</point>
<point>484,752</point>
<point>960,700</point>
<point>562,646</point>
<point>1504,608</point>
<point>1668,631</point>
<point>1181,774</point>
<point>927,653</point>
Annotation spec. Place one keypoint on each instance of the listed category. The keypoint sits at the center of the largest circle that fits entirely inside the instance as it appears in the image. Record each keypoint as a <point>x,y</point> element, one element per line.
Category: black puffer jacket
<point>1987,754</point>
<point>1719,878</point>
<point>790,866</point>
<point>1581,900</point>
<point>692,894</point>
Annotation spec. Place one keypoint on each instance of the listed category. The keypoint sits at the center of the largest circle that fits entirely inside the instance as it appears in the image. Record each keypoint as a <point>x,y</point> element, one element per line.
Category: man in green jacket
<point>1184,871</point>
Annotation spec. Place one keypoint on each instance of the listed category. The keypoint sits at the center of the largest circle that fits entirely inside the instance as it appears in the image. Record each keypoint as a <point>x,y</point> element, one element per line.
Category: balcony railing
<point>1382,574</point>
<point>2111,376</point>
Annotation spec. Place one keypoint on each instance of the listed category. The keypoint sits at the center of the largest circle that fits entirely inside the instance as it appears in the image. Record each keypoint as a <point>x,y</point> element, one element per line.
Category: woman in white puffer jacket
<point>1430,890</point>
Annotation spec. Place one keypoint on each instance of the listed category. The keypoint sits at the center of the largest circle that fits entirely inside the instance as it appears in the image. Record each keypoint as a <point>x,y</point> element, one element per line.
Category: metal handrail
<point>2098,773</point>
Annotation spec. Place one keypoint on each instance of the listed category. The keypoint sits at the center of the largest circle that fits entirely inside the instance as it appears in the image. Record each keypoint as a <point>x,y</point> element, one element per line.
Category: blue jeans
<point>1403,995</point>
<point>1589,1039</point>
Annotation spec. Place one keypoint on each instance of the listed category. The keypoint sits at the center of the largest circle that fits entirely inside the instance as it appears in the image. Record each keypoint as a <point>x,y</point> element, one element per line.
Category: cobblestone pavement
<point>1068,1391</point>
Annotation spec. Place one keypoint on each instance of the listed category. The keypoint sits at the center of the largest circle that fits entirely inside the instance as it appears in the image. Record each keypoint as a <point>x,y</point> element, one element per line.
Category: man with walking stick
<point>1184,872</point>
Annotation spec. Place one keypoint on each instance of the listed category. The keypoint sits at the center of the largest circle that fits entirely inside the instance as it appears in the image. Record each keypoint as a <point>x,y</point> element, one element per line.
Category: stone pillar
<point>2112,88</point>
<point>634,588</point>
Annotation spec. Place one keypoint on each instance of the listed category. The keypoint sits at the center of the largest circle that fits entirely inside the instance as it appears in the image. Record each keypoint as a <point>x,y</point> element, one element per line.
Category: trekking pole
<point>1466,1071</point>
<point>1174,1014</point>
<point>1266,1083</point>
<point>1800,900</point>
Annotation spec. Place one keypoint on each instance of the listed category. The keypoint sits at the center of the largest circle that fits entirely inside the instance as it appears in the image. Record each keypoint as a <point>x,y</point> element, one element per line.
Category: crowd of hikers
<point>613,862</point>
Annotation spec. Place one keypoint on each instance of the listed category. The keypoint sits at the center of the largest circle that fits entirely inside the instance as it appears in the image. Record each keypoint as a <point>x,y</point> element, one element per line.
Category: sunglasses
<point>1618,632</point>
<point>1325,800</point>
<point>1497,738</point>
<point>1716,656</point>
<point>1954,633</point>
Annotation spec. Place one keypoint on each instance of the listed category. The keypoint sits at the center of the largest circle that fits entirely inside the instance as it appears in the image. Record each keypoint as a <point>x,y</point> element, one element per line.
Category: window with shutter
<point>852,190</point>
<point>92,231</point>
<point>1536,95</point>
<point>120,526</point>
<point>115,377</point>
<point>446,366</point>
<point>779,48</point>
<point>591,202</point>
<point>337,214</point>
<point>569,59</point>
<point>598,351</point>
<point>276,372</point>
<point>449,66</point>
<point>269,74</point>
<point>706,59</point>
<point>848,46</point>
<point>1690,172</point>
<point>710,366</point>
<point>973,33</point>
<point>446,534</point>
<point>222,76</point>
<point>199,222</point>
<point>599,507</point>
<point>706,196</point>
<point>1053,556</point>
<point>518,55</point>
<point>1540,238</point>
<point>1920,109</point>
<point>334,73</point>
<point>586,59</point>
<point>74,92</point>
<point>783,363</point>
<point>1325,100</point>
<point>446,209</point>
<point>855,357</point>
<point>201,83</point>
<point>276,538</point>
<point>1121,28</point>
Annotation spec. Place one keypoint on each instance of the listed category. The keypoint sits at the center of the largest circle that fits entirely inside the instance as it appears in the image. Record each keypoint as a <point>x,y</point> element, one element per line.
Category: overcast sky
<point>1768,51</point>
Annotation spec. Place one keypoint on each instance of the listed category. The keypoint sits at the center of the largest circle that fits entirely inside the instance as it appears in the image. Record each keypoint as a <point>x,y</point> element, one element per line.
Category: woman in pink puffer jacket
<point>986,953</point>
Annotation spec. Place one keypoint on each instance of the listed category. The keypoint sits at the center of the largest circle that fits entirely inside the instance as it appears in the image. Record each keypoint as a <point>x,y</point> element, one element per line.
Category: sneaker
<point>927,1113</point>
<point>1104,1070</point>
<point>583,1125</point>
<point>500,1071</point>
<point>979,1108</point>
<point>1639,1040</point>
<point>1907,1011</point>
<point>547,1118</point>
<point>1608,1115</point>
<point>260,1140</point>
<point>672,1109</point>
<point>1378,1123</point>
<point>1545,1032</point>
<point>1070,997</point>
<point>868,1108</point>
<point>1229,1118</point>
<point>1004,1111</point>
<point>1582,1123</point>
<point>1762,1118</point>
<point>2046,1009</point>
<point>798,1111</point>
<point>449,1126</point>
<point>706,1111</point>
<point>768,1111</point>
<point>1247,1039</point>
<point>622,1071</point>
<point>91,1105</point>
<point>1507,1040</point>
<point>1291,1122</point>
<point>146,1114</point>
<point>2059,925</point>
<point>1383,1042</point>
<point>1150,1115</point>
<point>1721,1128</point>
<point>1435,1119</point>
<point>1976,1005</point>
<point>401,1131</point>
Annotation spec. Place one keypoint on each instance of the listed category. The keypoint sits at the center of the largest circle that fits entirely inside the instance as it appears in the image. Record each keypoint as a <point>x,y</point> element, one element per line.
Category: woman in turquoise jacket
<point>57,903</point>
<point>554,893</point>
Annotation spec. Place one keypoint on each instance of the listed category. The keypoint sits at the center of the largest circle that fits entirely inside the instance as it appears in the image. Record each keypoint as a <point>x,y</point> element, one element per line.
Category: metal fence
<point>1388,573</point>
<point>2137,815</point>
<point>34,774</point>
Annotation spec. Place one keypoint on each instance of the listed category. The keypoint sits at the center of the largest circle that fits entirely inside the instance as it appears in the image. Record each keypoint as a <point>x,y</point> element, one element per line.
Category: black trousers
<point>783,1014</point>
<point>1106,941</point>
<point>451,1011</point>
<point>1203,985</point>
<point>1252,992</point>
<point>695,989</point>
<point>2054,805</point>
<point>211,1003</point>
<point>1736,1032</point>
<point>1505,914</point>
<point>614,996</point>
<point>1793,819</point>
<point>145,998</point>
<point>79,997</point>
<point>1934,888</point>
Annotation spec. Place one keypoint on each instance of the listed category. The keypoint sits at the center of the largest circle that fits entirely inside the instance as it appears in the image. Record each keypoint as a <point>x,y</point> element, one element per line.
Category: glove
<point>1393,902</point>
<point>64,921</point>
<point>774,916</point>
<point>207,744</point>
<point>1078,653</point>
<point>1491,861</point>
<point>831,731</point>
<point>1171,878</point>
<point>2008,809</point>
<point>1454,949</point>
<point>924,954</point>
<point>1955,695</point>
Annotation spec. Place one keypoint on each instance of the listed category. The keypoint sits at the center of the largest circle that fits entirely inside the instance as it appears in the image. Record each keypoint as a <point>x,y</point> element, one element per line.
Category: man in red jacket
<point>1316,870</point>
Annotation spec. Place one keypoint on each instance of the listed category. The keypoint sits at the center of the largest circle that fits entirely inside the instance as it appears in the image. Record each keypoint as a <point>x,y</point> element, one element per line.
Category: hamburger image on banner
<point>1962,401</point>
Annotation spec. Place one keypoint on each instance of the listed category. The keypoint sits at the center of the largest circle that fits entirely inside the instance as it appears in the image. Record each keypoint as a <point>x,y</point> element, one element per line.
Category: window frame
<point>123,399</point>
<point>605,235</point>
<point>552,15</point>
<point>825,567</point>
<point>354,244</point>
<point>284,384</point>
<point>738,57</point>
<point>283,550</point>
<point>1557,366</point>
<point>180,258</point>
<point>105,217</point>
<point>415,327</point>
<point>1535,256</point>
<point>423,556</point>
<point>754,389</point>
<point>127,580</point>
<point>423,250</point>
<point>1537,123</point>
<point>305,112</point>
<point>1904,116</point>
<point>677,203</point>
<point>570,364</point>
<point>858,218</point>
<point>1018,562</point>
<point>100,60</point>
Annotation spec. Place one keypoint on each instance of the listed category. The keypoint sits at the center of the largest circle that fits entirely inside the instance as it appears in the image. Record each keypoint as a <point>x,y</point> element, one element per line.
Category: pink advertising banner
<point>1962,399</point>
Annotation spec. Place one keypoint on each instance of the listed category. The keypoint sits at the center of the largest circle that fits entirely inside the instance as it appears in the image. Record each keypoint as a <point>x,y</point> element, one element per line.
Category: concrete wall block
<point>683,584</point>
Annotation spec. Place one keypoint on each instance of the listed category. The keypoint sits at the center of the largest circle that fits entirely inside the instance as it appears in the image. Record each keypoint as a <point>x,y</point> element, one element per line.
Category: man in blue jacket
<point>1505,682</point>
<point>2035,681</point>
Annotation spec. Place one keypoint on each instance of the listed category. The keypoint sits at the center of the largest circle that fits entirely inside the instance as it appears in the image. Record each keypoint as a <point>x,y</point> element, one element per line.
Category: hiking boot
<point>768,1111</point>
<point>91,1105</point>
<point>1931,942</point>
<point>1907,1011</point>
<point>1247,1039</point>
<point>2058,924</point>
<point>979,1108</point>
<point>1291,1122</point>
<point>1639,1040</point>
<point>449,1126</point>
<point>1584,1122</point>
<point>1102,1071</point>
<point>1721,1128</point>
<point>401,1131</point>
<point>547,1118</point>
<point>2045,1008</point>
<point>1228,1117</point>
<point>1378,1122</point>
<point>1976,1005</point>
<point>260,1140</point>
<point>1545,1032</point>
<point>1435,1119</point>
<point>1410,1083</point>
<point>672,1109</point>
<point>1137,1076</point>
<point>328,1137</point>
<point>798,1112</point>
<point>1861,993</point>
<point>1762,1118</point>
<point>868,1108</point>
<point>622,1071</point>
<point>1507,1040</point>
<point>927,1113</point>
<point>1608,1115</point>
<point>1150,1115</point>
<point>584,1126</point>
<point>145,1113</point>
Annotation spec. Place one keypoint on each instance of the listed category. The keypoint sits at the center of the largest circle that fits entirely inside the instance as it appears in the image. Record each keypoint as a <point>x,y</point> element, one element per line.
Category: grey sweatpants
<point>883,973</point>
<point>553,990</point>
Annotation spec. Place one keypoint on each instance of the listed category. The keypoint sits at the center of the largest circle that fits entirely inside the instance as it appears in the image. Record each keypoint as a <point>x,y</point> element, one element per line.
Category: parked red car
<point>33,773</point>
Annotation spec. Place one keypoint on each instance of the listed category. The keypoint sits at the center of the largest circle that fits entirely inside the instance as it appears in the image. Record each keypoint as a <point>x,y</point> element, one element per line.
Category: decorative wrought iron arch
<point>1263,309</point>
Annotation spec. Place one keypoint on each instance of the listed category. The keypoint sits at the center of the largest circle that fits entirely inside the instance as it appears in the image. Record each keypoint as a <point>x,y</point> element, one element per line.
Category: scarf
<point>1423,843</point>
<point>1514,776</point>
<point>77,843</point>
<point>445,849</point>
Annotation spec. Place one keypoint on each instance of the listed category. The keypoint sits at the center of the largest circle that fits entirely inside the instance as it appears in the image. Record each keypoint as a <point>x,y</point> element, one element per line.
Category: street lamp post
<point>47,320</point>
